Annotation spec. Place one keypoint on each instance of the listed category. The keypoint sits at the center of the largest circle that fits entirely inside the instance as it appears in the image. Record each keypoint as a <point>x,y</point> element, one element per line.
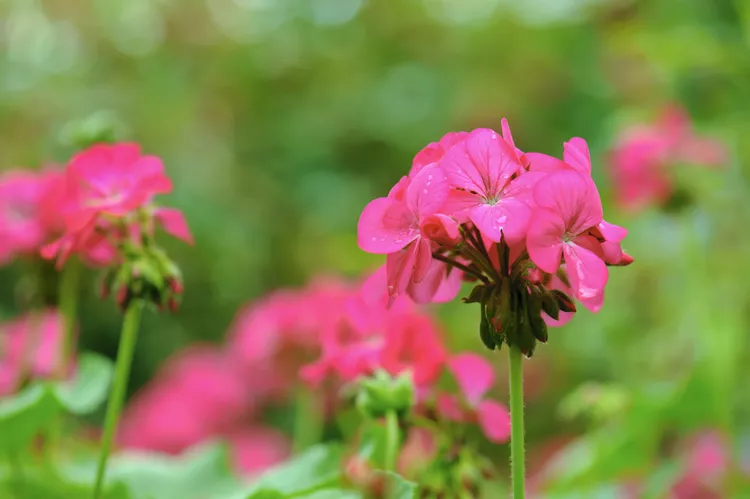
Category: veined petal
<point>544,163</point>
<point>494,158</point>
<point>399,267</point>
<point>422,259</point>
<point>587,272</point>
<point>576,154</point>
<point>427,191</point>
<point>544,239</point>
<point>473,374</point>
<point>573,196</point>
<point>386,226</point>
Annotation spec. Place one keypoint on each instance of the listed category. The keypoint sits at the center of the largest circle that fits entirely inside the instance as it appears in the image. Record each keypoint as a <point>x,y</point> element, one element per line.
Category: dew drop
<point>494,136</point>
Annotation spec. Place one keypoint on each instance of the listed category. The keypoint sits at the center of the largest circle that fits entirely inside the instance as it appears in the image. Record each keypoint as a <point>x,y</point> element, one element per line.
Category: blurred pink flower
<point>475,377</point>
<point>707,461</point>
<point>643,155</point>
<point>257,448</point>
<point>31,347</point>
<point>103,188</point>
<point>22,219</point>
<point>197,395</point>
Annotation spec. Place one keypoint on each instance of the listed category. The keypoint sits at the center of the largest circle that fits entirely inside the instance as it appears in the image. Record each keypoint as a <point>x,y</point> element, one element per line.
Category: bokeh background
<point>278,120</point>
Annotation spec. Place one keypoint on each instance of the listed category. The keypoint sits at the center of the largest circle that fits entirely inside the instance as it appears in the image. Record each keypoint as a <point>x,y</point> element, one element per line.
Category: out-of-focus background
<point>278,120</point>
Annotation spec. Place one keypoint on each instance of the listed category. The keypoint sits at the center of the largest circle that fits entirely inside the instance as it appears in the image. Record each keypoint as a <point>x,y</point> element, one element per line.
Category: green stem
<point>391,440</point>
<point>68,302</point>
<point>308,420</point>
<point>125,351</point>
<point>517,463</point>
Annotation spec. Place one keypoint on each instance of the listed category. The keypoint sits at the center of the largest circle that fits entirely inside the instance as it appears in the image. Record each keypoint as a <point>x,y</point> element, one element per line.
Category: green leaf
<point>333,494</point>
<point>90,387</point>
<point>24,415</point>
<point>202,472</point>
<point>266,494</point>
<point>29,484</point>
<point>399,487</point>
<point>317,468</point>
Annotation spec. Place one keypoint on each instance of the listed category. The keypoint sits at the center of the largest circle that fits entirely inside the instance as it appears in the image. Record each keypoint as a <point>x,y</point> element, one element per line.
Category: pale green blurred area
<point>279,120</point>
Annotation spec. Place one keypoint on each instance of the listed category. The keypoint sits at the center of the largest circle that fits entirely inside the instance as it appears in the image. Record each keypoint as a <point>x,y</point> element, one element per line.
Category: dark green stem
<point>125,351</point>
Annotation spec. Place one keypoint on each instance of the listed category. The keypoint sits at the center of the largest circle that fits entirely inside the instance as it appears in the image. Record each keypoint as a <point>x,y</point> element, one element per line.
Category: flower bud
<point>382,393</point>
<point>441,229</point>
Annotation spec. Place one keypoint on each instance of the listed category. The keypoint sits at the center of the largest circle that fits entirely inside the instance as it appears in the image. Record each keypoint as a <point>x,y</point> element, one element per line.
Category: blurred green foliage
<point>280,119</point>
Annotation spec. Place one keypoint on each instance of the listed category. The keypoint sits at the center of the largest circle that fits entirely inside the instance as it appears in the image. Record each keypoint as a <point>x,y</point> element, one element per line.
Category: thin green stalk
<point>125,351</point>
<point>68,302</point>
<point>391,440</point>
<point>517,463</point>
<point>308,420</point>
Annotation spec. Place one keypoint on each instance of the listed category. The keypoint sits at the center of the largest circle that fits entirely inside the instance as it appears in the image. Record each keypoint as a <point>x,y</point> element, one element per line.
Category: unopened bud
<point>382,393</point>
<point>441,229</point>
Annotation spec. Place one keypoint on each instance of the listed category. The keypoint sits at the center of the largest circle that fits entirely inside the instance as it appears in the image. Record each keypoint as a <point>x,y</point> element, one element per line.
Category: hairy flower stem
<point>68,302</point>
<point>391,440</point>
<point>517,463</point>
<point>125,351</point>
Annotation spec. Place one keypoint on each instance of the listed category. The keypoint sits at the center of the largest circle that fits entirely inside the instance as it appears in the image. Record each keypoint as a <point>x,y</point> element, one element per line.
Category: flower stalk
<point>517,449</point>
<point>117,398</point>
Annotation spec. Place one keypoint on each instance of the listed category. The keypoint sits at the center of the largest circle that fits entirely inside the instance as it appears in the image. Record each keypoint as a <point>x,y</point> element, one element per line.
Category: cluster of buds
<point>527,227</point>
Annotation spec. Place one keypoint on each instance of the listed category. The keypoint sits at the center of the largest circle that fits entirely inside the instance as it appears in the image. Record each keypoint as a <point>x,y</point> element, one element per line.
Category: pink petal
<point>427,191</point>
<point>587,272</point>
<point>449,287</point>
<point>174,224</point>
<point>374,290</point>
<point>399,270</point>
<point>473,374</point>
<point>611,232</point>
<point>441,229</point>
<point>423,259</point>
<point>573,196</point>
<point>398,191</point>
<point>450,139</point>
<point>507,136</point>
<point>386,226</point>
<point>449,408</point>
<point>543,163</point>
<point>509,216</point>
<point>494,419</point>
<point>544,239</point>
<point>576,154</point>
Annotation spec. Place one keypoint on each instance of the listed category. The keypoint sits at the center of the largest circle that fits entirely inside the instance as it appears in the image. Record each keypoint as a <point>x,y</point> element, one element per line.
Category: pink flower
<point>475,377</point>
<point>113,179</point>
<point>412,343</point>
<point>104,186</point>
<point>257,448</point>
<point>643,155</point>
<point>392,227</point>
<point>707,462</point>
<point>434,151</point>
<point>568,206</point>
<point>30,347</point>
<point>486,184</point>
<point>22,227</point>
<point>197,395</point>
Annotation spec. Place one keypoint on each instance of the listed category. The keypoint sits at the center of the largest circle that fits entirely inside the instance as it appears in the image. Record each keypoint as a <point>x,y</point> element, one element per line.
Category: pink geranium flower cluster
<point>322,339</point>
<point>527,226</point>
<point>107,198</point>
<point>645,153</point>
<point>30,347</point>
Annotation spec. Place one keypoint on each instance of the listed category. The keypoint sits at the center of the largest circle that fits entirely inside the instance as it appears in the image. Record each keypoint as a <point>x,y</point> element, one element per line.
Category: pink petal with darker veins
<point>576,154</point>
<point>427,191</point>
<point>573,196</point>
<point>386,226</point>
<point>545,238</point>
<point>587,272</point>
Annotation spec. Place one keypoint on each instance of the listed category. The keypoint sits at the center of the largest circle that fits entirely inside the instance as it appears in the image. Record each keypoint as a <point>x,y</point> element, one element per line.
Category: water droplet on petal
<point>494,136</point>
